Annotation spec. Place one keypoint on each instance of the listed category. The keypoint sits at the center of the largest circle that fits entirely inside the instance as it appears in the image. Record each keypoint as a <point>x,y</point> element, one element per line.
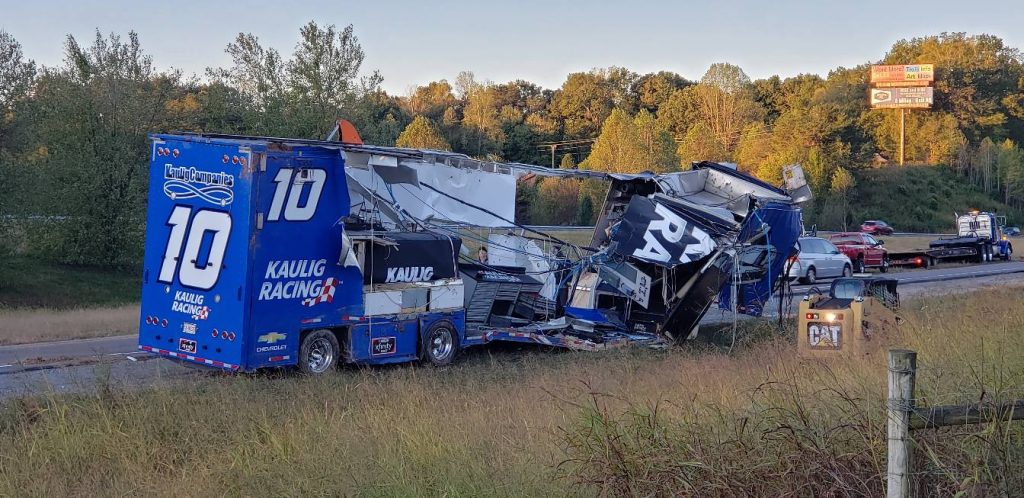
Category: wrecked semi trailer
<point>269,252</point>
<point>673,244</point>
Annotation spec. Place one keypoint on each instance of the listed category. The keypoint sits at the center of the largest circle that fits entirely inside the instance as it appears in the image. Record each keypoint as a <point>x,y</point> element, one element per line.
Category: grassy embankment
<point>45,301</point>
<point>921,198</point>
<point>760,422</point>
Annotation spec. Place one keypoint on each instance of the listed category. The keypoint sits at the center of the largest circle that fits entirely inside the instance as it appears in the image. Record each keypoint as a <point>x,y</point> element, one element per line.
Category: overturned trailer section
<point>672,244</point>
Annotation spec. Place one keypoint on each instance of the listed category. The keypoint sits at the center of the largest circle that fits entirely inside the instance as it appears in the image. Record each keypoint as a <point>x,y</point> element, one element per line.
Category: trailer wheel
<point>439,343</point>
<point>319,352</point>
<point>885,265</point>
<point>1009,252</point>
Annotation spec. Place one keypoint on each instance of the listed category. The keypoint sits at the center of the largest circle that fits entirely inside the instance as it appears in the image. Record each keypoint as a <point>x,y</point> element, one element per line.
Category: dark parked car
<point>1011,231</point>
<point>876,227</point>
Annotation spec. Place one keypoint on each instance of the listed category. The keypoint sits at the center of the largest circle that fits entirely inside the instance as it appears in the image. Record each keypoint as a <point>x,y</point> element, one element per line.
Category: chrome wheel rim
<point>321,355</point>
<point>441,344</point>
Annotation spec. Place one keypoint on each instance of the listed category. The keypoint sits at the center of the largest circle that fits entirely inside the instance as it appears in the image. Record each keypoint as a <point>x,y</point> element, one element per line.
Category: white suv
<point>817,259</point>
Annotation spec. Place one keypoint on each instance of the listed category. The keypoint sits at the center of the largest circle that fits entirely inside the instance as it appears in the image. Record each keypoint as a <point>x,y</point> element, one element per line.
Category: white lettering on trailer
<point>673,227</point>
<point>409,274</point>
<point>299,268</point>
<point>190,303</point>
<point>292,187</point>
<point>297,279</point>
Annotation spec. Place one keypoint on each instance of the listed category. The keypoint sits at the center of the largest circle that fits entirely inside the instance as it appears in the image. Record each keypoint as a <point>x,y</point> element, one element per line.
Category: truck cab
<point>979,237</point>
<point>864,250</point>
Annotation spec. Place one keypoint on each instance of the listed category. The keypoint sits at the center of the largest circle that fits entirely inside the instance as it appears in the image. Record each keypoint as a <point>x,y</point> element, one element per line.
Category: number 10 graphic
<point>191,273</point>
<point>218,223</point>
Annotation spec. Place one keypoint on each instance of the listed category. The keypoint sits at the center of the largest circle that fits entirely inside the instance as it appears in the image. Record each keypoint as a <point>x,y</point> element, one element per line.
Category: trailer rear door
<point>196,254</point>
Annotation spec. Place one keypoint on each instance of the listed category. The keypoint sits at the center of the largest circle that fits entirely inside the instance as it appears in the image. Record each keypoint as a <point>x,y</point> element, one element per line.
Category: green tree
<point>583,103</point>
<point>655,89</point>
<point>430,100</point>
<point>1011,167</point>
<point>842,185</point>
<point>257,75</point>
<point>657,149</point>
<point>725,100</point>
<point>680,112</point>
<point>17,75</point>
<point>700,144</point>
<point>323,77</point>
<point>16,72</point>
<point>618,148</point>
<point>567,162</point>
<point>422,134</point>
<point>754,147</point>
<point>480,120</point>
<point>586,211</point>
<point>557,201</point>
<point>93,114</point>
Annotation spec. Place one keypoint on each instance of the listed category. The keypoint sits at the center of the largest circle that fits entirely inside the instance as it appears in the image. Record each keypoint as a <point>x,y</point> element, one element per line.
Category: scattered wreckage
<point>267,252</point>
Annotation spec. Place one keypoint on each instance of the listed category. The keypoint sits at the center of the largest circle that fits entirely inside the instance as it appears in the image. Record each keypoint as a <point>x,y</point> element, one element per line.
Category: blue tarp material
<point>606,318</point>
<point>783,221</point>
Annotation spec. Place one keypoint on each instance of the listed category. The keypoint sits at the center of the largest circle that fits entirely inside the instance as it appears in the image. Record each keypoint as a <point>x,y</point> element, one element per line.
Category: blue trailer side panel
<point>298,283</point>
<point>195,268</point>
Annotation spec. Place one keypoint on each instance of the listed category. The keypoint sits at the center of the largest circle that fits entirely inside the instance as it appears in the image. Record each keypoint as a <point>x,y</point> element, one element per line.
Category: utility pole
<point>903,135</point>
<point>553,155</point>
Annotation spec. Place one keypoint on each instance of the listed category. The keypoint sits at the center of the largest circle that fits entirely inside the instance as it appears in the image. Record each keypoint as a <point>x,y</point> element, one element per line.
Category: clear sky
<point>413,42</point>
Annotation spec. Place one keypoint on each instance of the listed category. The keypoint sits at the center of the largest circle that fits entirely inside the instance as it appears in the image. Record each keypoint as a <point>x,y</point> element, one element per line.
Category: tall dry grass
<point>26,325</point>
<point>500,423</point>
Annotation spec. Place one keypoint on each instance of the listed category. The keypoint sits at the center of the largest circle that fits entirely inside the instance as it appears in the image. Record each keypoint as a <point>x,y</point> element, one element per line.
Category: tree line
<point>73,140</point>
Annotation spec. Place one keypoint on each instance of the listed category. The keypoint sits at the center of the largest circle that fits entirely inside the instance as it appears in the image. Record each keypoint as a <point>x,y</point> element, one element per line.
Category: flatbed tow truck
<point>275,252</point>
<point>979,239</point>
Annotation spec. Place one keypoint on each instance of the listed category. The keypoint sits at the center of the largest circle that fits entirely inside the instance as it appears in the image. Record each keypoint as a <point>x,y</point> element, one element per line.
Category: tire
<point>319,352</point>
<point>847,271</point>
<point>858,265</point>
<point>981,255</point>
<point>439,344</point>
<point>1009,252</point>
<point>811,277</point>
<point>885,265</point>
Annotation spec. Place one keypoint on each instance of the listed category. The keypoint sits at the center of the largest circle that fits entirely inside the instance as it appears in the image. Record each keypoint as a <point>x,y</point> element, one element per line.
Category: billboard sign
<point>908,97</point>
<point>903,75</point>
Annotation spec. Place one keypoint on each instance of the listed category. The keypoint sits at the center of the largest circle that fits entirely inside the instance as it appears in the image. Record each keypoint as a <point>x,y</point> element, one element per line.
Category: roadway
<point>78,364</point>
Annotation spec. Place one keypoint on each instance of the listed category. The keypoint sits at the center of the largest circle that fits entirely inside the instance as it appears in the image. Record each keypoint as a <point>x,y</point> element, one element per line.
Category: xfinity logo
<point>410,274</point>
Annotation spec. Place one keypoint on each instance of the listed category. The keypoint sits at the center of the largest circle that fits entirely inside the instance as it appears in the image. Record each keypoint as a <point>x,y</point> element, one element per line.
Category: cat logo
<point>272,337</point>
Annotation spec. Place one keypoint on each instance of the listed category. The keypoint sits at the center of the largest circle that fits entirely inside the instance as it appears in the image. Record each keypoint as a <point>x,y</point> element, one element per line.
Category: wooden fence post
<point>902,367</point>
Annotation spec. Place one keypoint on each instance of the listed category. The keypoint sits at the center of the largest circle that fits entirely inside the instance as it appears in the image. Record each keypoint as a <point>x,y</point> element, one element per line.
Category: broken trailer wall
<point>767,239</point>
<point>439,192</point>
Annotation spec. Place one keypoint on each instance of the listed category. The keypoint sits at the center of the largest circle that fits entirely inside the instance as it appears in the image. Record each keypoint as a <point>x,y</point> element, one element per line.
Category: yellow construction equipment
<point>850,320</point>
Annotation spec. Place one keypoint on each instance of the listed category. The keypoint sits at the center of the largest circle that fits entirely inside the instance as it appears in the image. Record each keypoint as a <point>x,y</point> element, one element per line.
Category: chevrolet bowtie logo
<point>272,337</point>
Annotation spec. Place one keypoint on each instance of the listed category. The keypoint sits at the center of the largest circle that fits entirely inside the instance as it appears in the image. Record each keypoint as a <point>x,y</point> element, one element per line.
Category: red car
<point>876,227</point>
<point>863,250</point>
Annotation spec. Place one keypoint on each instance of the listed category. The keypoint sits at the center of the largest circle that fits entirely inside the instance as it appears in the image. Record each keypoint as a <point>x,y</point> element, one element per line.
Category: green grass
<point>691,421</point>
<point>920,198</point>
<point>27,282</point>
